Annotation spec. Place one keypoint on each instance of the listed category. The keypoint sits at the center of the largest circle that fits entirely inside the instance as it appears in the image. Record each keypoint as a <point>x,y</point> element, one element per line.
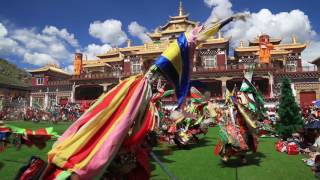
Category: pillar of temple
<point>194,61</point>
<point>105,86</point>
<point>224,88</point>
<point>271,82</point>
<point>72,97</point>
<point>57,99</point>
<point>223,85</point>
<point>46,100</point>
<point>31,99</point>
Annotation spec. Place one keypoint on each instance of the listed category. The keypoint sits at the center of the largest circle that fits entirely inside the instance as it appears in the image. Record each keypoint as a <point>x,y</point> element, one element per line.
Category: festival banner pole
<point>163,167</point>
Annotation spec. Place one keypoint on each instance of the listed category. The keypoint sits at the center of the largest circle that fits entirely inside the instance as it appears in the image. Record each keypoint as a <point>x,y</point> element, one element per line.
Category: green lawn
<point>199,162</point>
<point>196,162</point>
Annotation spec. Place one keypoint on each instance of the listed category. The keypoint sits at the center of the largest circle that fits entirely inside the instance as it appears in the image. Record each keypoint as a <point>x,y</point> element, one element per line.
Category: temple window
<point>135,66</point>
<point>117,70</point>
<point>40,80</point>
<point>291,66</point>
<point>209,61</point>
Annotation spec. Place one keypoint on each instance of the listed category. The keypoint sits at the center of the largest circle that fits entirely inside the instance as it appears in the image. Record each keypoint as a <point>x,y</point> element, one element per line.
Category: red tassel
<point>217,148</point>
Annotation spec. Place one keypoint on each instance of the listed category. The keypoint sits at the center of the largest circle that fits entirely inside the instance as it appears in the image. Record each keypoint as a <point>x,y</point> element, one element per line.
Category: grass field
<point>196,162</point>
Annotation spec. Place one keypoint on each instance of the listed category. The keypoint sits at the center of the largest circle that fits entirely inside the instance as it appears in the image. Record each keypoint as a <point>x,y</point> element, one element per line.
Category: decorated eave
<point>164,29</point>
<point>254,46</point>
<point>49,68</point>
<point>154,35</point>
<point>178,21</point>
<point>117,53</point>
<point>297,46</point>
<point>95,63</point>
<point>152,48</point>
<point>102,61</point>
<point>279,51</point>
<point>215,41</point>
<point>272,41</point>
<point>111,53</point>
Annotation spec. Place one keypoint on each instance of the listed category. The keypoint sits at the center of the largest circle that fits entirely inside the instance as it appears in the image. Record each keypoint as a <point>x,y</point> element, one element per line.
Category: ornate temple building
<point>213,71</point>
<point>50,86</point>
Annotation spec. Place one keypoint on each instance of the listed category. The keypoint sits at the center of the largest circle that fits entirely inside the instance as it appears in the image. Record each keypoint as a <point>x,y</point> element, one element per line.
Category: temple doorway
<point>88,92</point>
<point>306,98</point>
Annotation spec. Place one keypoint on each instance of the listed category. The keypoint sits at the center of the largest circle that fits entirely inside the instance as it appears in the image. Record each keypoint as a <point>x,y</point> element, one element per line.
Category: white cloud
<point>311,52</point>
<point>39,59</point>
<point>50,46</point>
<point>69,69</point>
<point>29,39</point>
<point>93,49</point>
<point>45,43</point>
<point>62,33</point>
<point>220,9</point>
<point>3,30</point>
<point>110,31</point>
<point>9,46</point>
<point>139,31</point>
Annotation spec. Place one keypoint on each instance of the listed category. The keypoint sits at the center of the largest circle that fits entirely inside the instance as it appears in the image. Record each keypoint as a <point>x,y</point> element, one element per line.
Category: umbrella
<point>313,125</point>
<point>317,103</point>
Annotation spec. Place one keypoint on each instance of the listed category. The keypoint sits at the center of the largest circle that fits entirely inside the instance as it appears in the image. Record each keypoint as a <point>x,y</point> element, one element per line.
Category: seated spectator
<point>316,166</point>
<point>316,144</point>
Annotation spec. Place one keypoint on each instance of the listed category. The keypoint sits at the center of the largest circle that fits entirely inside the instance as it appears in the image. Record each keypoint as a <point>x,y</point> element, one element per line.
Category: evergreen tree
<point>289,111</point>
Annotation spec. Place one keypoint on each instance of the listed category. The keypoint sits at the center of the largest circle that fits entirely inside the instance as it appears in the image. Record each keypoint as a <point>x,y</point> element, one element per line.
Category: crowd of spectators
<point>19,109</point>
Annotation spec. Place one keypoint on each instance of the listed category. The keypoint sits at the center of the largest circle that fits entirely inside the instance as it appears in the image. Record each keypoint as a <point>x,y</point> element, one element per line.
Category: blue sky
<point>30,18</point>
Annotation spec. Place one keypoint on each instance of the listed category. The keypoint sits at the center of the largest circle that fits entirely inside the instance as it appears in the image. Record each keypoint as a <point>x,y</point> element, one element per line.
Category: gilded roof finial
<point>129,43</point>
<point>219,35</point>
<point>294,39</point>
<point>180,9</point>
<point>241,43</point>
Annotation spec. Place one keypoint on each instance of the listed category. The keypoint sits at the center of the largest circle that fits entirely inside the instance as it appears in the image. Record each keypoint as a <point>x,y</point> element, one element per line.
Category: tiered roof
<point>278,48</point>
<point>52,68</point>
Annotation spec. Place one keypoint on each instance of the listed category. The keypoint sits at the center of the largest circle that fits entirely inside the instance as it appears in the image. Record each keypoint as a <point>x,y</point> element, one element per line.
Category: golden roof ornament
<point>181,11</point>
<point>129,43</point>
<point>219,35</point>
<point>294,39</point>
<point>241,43</point>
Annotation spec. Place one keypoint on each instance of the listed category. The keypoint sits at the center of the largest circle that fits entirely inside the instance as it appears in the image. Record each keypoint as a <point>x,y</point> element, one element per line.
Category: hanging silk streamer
<point>94,139</point>
<point>196,96</point>
<point>174,63</point>
<point>163,94</point>
<point>255,99</point>
<point>26,136</point>
<point>167,93</point>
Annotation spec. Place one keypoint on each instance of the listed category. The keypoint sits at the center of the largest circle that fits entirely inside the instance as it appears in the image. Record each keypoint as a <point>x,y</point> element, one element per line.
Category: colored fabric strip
<point>168,93</point>
<point>92,143</point>
<point>86,133</point>
<point>195,93</point>
<point>174,64</point>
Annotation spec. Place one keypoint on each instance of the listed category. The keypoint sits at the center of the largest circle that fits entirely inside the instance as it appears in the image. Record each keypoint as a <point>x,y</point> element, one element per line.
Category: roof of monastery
<point>49,68</point>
